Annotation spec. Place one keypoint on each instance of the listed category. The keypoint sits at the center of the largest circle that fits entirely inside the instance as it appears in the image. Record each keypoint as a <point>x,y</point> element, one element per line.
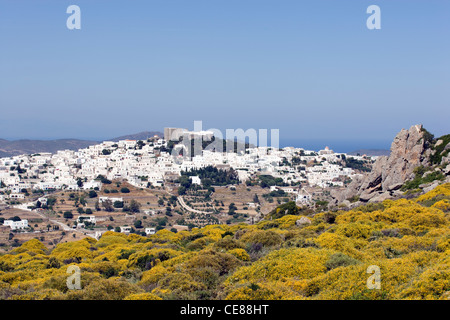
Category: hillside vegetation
<point>327,258</point>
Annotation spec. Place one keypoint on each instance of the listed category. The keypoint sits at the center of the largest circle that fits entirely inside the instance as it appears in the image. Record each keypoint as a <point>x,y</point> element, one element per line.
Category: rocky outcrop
<point>303,221</point>
<point>408,150</point>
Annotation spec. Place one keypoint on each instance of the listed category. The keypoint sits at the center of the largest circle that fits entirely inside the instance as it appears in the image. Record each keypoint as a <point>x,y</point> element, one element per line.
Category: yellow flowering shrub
<point>355,230</point>
<point>213,232</point>
<point>106,241</point>
<point>132,237</point>
<point>222,263</point>
<point>340,243</point>
<point>199,243</point>
<point>443,244</point>
<point>180,285</point>
<point>179,260</point>
<point>409,240</point>
<point>14,261</point>
<point>70,250</point>
<point>16,277</point>
<point>407,244</point>
<point>282,264</point>
<point>263,291</point>
<point>32,245</point>
<point>228,243</point>
<point>393,274</point>
<point>287,221</point>
<point>432,283</point>
<point>241,254</point>
<point>330,285</point>
<point>33,264</point>
<point>424,221</point>
<point>166,235</point>
<point>153,275</point>
<point>115,252</point>
<point>441,190</point>
<point>264,237</point>
<point>143,257</point>
<point>142,296</point>
<point>104,289</point>
<point>443,205</point>
<point>117,234</point>
<point>43,294</point>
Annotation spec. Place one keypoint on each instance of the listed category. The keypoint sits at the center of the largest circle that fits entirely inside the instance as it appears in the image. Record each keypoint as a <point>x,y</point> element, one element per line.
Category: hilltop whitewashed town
<point>151,165</point>
<point>132,160</point>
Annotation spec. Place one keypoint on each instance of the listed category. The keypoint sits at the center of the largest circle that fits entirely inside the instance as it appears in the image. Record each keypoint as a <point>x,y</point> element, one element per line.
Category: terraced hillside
<point>322,256</point>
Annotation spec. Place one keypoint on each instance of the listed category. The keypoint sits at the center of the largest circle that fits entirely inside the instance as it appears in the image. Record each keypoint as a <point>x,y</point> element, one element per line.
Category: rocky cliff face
<point>410,149</point>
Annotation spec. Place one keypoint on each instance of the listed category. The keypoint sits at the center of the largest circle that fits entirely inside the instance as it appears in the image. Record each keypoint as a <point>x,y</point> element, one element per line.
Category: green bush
<point>267,238</point>
<point>339,260</point>
<point>421,179</point>
<point>118,204</point>
<point>229,243</point>
<point>68,215</point>
<point>440,151</point>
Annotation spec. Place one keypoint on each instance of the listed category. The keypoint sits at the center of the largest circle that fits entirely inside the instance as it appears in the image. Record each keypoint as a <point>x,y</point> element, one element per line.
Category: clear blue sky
<point>309,68</point>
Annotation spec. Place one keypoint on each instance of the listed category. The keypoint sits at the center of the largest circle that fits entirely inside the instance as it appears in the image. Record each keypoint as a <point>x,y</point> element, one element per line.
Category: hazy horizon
<point>297,142</point>
<point>309,68</point>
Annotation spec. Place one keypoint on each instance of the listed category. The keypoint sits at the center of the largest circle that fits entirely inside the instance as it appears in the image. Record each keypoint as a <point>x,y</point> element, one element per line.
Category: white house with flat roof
<point>125,229</point>
<point>15,225</point>
<point>103,199</point>
<point>91,219</point>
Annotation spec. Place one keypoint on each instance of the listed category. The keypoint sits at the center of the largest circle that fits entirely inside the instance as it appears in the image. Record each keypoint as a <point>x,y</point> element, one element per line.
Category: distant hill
<point>18,147</point>
<point>139,136</point>
<point>370,152</point>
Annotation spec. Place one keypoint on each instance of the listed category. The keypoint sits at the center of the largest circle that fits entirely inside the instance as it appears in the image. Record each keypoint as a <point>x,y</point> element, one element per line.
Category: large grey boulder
<point>381,197</point>
<point>302,222</point>
<point>408,151</point>
<point>430,187</point>
<point>395,186</point>
<point>406,154</point>
<point>447,169</point>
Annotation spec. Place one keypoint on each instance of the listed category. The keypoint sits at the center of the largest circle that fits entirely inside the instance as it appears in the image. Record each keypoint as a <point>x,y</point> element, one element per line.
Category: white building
<point>92,184</point>
<point>15,225</point>
<point>303,197</point>
<point>327,150</point>
<point>17,196</point>
<point>150,167</point>
<point>83,219</point>
<point>196,180</point>
<point>150,212</point>
<point>103,199</point>
<point>125,229</point>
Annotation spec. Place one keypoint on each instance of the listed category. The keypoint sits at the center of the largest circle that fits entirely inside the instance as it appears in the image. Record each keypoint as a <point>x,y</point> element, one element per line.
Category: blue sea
<point>344,146</point>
